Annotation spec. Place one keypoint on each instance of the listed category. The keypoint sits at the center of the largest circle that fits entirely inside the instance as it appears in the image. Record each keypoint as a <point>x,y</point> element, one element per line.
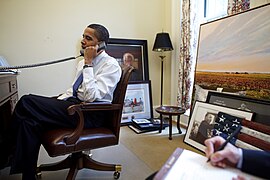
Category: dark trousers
<point>34,115</point>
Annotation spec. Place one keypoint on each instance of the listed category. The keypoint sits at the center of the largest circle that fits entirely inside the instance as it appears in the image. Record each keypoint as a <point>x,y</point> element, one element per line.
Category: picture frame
<point>137,49</point>
<point>239,61</point>
<point>260,108</point>
<point>202,109</point>
<point>138,102</point>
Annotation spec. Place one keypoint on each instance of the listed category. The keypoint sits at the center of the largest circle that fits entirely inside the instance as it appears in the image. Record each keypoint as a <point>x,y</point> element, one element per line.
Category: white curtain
<point>236,6</point>
<point>188,49</point>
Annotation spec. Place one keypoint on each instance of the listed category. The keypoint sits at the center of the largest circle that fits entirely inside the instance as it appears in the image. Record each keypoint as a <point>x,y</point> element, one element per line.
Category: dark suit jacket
<point>256,163</point>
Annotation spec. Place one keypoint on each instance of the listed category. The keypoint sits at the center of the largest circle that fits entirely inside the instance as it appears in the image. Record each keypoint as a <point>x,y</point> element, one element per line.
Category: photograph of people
<point>205,128</point>
<point>129,60</point>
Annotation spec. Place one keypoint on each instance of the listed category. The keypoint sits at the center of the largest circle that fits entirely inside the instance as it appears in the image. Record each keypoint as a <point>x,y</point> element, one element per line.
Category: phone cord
<point>38,64</point>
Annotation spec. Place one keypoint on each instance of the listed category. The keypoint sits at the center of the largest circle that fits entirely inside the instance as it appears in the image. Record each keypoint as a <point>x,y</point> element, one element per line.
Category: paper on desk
<point>191,166</point>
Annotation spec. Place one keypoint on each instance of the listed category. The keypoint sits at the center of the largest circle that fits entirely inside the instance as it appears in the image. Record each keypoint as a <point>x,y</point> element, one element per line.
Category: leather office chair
<point>75,141</point>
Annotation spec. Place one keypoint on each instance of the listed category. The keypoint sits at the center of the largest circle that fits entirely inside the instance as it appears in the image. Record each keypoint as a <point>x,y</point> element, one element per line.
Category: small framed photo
<point>203,119</point>
<point>131,52</point>
<point>259,107</point>
<point>138,102</point>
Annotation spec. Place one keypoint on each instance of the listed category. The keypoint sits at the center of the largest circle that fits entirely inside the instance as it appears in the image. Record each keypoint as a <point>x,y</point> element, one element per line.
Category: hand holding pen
<point>222,153</point>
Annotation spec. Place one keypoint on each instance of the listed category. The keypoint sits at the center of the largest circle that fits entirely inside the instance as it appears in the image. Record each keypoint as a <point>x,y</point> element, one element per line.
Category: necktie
<point>77,84</point>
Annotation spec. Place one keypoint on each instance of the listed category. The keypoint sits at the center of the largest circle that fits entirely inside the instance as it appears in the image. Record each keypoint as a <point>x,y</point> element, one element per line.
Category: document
<point>185,164</point>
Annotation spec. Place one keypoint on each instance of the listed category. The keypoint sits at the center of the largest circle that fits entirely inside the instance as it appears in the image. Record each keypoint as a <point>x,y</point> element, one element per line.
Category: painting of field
<point>236,57</point>
<point>255,85</point>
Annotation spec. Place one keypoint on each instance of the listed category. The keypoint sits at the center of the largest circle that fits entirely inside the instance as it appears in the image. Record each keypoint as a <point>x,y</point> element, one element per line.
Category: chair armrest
<point>79,108</point>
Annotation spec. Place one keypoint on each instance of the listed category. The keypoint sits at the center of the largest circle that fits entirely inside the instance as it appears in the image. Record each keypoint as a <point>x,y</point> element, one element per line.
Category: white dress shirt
<point>99,81</point>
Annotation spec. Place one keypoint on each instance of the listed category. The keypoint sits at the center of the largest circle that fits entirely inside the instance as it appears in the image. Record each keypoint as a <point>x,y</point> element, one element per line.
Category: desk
<point>170,111</point>
<point>8,100</point>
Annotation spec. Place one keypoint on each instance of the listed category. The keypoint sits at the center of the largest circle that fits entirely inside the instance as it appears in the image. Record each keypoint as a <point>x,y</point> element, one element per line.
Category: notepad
<point>185,164</point>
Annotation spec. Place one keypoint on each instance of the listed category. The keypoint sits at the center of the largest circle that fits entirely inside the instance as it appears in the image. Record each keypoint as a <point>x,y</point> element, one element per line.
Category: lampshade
<point>162,42</point>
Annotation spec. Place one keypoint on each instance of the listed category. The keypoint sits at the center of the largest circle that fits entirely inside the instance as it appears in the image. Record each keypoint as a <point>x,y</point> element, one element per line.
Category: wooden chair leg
<point>92,164</point>
<point>70,161</point>
<point>64,164</point>
<point>78,161</point>
<point>72,172</point>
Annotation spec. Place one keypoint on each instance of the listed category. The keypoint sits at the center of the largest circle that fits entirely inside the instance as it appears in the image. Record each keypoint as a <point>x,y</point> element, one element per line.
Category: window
<point>214,9</point>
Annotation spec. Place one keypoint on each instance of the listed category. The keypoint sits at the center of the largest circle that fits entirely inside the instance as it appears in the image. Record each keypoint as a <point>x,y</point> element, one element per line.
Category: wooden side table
<point>170,111</point>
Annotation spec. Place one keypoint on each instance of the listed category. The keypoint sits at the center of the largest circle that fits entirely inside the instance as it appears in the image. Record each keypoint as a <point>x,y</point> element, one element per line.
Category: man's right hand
<point>230,155</point>
<point>89,54</point>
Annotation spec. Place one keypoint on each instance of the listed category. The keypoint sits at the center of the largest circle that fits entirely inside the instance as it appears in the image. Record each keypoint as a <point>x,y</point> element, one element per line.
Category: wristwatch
<point>87,65</point>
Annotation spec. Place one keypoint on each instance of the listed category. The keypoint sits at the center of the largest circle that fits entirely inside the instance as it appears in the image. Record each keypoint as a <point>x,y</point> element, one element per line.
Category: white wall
<point>255,3</point>
<point>38,31</point>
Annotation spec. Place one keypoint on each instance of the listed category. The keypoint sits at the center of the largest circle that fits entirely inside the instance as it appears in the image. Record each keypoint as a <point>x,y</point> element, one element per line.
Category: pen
<point>227,140</point>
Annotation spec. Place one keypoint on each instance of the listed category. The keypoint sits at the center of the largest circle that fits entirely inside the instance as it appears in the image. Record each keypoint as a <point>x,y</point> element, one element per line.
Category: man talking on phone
<point>96,78</point>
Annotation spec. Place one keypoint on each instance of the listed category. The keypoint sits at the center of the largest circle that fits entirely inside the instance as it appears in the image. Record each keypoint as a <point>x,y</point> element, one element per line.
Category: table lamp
<point>162,43</point>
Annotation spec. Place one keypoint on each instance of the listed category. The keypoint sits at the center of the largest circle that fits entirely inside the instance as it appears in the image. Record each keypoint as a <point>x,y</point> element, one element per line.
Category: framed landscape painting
<point>233,54</point>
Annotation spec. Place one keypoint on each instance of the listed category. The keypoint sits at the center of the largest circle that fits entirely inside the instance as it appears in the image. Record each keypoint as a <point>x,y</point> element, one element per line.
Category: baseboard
<point>184,120</point>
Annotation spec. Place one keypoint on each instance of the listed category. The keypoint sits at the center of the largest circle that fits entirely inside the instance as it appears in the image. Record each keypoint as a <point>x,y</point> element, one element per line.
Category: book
<point>145,124</point>
<point>138,130</point>
<point>141,121</point>
<point>185,164</point>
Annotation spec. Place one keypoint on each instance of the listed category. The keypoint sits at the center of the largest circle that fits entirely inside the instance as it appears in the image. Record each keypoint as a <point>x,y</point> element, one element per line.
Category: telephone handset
<point>101,46</point>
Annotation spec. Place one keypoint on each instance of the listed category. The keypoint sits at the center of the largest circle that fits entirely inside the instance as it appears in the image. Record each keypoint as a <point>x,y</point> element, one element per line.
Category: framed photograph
<point>138,102</point>
<point>239,61</point>
<point>203,119</point>
<point>260,108</point>
<point>131,52</point>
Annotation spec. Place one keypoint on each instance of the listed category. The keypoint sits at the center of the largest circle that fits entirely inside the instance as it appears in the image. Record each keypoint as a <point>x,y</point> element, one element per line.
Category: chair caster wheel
<point>116,175</point>
<point>38,175</point>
